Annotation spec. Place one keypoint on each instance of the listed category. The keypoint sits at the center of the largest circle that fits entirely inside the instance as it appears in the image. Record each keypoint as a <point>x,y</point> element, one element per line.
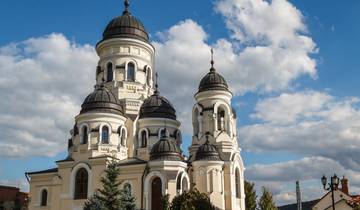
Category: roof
<point>166,149</point>
<point>102,100</point>
<point>131,161</point>
<point>213,81</point>
<point>307,205</point>
<point>126,26</point>
<point>157,106</point>
<point>52,170</point>
<point>208,152</point>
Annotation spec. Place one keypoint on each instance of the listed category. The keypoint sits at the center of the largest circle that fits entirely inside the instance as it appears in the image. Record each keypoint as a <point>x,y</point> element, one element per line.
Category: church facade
<point>126,117</point>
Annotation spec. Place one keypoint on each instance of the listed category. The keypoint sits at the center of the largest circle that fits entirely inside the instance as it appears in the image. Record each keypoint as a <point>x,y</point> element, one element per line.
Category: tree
<point>250,196</point>
<point>266,200</point>
<point>127,200</point>
<point>165,202</point>
<point>193,200</point>
<point>111,197</point>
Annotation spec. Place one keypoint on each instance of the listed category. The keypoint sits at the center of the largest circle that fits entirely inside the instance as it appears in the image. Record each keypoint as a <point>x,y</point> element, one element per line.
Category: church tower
<point>215,153</point>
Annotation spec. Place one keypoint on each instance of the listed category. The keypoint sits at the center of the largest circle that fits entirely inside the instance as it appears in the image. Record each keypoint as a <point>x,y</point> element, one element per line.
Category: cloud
<point>307,123</point>
<point>281,177</point>
<point>44,80</point>
<point>274,51</point>
<point>22,184</point>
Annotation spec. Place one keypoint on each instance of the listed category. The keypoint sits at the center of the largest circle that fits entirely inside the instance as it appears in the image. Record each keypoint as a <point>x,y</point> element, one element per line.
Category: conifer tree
<point>127,200</point>
<point>266,201</point>
<point>250,196</point>
<point>110,196</point>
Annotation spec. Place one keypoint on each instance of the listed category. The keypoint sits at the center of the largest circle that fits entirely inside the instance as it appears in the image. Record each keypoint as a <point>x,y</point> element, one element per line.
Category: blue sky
<point>333,26</point>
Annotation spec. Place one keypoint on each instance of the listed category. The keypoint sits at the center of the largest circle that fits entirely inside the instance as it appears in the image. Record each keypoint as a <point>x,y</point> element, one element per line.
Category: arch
<point>105,134</point>
<point>122,136</point>
<point>148,76</point>
<point>163,132</point>
<point>109,72</point>
<point>223,114</point>
<point>84,134</point>
<point>44,197</point>
<point>156,194</point>
<point>197,120</point>
<point>147,188</point>
<point>178,137</point>
<point>130,71</point>
<point>144,139</point>
<point>81,184</point>
<point>237,183</point>
<point>182,183</point>
<point>127,185</point>
<point>74,170</point>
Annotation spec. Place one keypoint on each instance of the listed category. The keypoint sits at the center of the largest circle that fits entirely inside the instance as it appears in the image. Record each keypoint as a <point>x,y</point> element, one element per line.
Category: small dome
<point>157,106</point>
<point>213,81</point>
<point>166,149</point>
<point>207,151</point>
<point>126,26</point>
<point>102,100</point>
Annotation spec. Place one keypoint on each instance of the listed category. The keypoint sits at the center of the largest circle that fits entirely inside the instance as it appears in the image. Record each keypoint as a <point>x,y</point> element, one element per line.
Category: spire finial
<point>126,4</point>
<point>212,60</point>
<point>156,83</point>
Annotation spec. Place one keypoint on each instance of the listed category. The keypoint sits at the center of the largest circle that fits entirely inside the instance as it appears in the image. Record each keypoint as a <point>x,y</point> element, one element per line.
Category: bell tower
<point>126,62</point>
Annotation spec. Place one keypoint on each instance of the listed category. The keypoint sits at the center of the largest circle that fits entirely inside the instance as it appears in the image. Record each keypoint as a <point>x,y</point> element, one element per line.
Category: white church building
<point>126,117</point>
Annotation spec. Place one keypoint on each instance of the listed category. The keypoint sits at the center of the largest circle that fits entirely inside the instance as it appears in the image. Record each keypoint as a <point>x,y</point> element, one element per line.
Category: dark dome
<point>213,81</point>
<point>126,26</point>
<point>102,100</point>
<point>207,151</point>
<point>166,149</point>
<point>157,106</point>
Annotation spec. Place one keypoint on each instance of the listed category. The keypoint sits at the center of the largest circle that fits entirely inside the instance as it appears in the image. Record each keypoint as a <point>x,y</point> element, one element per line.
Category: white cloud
<point>281,177</point>
<point>274,52</point>
<point>307,123</point>
<point>44,81</point>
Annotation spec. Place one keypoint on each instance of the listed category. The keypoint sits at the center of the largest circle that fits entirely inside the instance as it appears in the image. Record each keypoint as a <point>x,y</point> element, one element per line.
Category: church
<point>126,117</point>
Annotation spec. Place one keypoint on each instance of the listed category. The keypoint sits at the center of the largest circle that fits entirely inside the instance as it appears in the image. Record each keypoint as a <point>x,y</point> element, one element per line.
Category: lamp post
<point>332,186</point>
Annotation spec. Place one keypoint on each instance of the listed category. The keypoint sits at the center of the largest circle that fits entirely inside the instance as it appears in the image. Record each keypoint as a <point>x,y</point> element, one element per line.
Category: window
<point>127,188</point>
<point>110,72</point>
<point>148,76</point>
<point>84,138</point>
<point>81,184</point>
<point>143,139</point>
<point>123,137</point>
<point>221,119</point>
<point>105,135</point>
<point>163,133</point>
<point>237,183</point>
<point>178,138</point>
<point>43,199</point>
<point>131,72</point>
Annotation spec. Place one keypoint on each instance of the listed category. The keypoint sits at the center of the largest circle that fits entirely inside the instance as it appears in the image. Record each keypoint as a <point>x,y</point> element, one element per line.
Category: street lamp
<point>332,186</point>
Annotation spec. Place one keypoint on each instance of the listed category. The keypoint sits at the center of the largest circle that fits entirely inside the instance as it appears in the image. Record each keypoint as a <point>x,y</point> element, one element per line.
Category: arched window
<point>81,184</point>
<point>178,137</point>
<point>131,72</point>
<point>127,188</point>
<point>156,194</point>
<point>196,122</point>
<point>221,119</point>
<point>143,139</point>
<point>110,72</point>
<point>44,197</point>
<point>163,133</point>
<point>237,183</point>
<point>148,76</point>
<point>123,137</point>
<point>105,135</point>
<point>84,138</point>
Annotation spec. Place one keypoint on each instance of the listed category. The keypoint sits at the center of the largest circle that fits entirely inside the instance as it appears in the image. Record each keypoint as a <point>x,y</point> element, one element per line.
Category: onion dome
<point>102,100</point>
<point>207,151</point>
<point>157,106</point>
<point>126,26</point>
<point>213,80</point>
<point>166,149</point>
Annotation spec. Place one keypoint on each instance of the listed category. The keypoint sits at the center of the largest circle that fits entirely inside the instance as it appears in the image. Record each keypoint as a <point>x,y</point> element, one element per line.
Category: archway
<point>156,194</point>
